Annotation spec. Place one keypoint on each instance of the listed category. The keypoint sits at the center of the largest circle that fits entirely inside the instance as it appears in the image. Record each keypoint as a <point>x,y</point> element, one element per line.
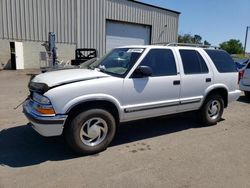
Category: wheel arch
<point>222,91</point>
<point>95,103</point>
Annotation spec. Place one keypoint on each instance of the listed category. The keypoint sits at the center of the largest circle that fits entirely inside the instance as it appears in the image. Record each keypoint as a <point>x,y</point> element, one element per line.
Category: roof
<point>149,5</point>
<point>166,46</point>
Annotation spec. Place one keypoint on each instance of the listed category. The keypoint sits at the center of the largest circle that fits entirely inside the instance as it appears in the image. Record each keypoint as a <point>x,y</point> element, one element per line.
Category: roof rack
<point>192,45</point>
<point>186,44</point>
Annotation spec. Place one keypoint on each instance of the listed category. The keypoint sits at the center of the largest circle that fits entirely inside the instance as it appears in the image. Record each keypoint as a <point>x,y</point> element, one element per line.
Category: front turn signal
<point>45,111</point>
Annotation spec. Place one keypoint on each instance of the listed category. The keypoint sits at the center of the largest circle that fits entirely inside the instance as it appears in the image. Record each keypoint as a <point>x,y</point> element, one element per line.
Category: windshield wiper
<point>102,69</point>
<point>99,68</point>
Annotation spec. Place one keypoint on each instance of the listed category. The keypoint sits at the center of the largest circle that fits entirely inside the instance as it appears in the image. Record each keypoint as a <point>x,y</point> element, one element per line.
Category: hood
<point>61,77</point>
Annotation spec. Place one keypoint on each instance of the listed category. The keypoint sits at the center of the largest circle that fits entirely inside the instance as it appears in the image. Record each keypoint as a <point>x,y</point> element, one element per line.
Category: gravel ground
<point>164,152</point>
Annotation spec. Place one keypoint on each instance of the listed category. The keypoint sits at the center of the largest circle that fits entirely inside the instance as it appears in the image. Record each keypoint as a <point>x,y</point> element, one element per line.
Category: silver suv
<point>130,83</point>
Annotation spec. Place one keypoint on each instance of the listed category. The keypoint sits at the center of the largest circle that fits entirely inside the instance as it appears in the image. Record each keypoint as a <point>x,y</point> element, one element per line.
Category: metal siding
<point>68,18</point>
<point>26,21</point>
<point>43,18</point>
<point>14,19</point>
<point>17,17</point>
<point>92,20</point>
<point>141,14</point>
<point>80,21</point>
<point>91,25</point>
<point>21,19</point>
<point>9,19</point>
<point>32,20</point>
<point>39,20</point>
<point>5,20</point>
<point>46,19</point>
<point>1,19</point>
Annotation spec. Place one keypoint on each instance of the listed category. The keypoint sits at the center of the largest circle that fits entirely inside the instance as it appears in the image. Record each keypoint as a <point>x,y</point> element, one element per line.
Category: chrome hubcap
<point>93,131</point>
<point>214,109</point>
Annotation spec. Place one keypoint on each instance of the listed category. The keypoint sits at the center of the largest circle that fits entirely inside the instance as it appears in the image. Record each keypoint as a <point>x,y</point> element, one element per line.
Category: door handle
<point>176,82</point>
<point>208,79</point>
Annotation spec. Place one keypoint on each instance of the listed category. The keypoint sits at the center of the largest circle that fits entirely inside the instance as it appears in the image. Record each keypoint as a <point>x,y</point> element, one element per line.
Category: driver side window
<point>161,61</point>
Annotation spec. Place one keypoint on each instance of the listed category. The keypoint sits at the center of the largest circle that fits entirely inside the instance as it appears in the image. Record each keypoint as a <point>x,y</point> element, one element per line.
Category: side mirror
<point>142,71</point>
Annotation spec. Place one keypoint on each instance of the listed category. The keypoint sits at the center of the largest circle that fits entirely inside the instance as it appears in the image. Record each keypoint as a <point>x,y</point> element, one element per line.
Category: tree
<point>196,39</point>
<point>207,43</point>
<point>187,38</point>
<point>232,46</point>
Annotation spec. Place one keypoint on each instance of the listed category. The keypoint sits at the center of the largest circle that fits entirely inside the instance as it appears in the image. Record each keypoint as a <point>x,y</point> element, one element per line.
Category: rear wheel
<point>91,131</point>
<point>212,110</point>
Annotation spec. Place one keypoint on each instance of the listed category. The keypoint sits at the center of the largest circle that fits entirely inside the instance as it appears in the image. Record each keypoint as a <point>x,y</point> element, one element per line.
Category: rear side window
<point>193,63</point>
<point>222,60</point>
<point>161,61</point>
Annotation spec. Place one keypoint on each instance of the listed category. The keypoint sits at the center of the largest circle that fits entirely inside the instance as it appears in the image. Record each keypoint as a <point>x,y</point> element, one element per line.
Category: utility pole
<point>246,40</point>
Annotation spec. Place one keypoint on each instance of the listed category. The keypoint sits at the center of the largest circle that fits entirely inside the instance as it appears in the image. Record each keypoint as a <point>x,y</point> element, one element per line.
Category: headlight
<point>40,99</point>
<point>42,105</point>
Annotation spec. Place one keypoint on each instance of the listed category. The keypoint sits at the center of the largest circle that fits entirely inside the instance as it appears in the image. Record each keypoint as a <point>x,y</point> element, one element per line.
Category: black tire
<point>212,110</point>
<point>80,131</point>
<point>247,94</point>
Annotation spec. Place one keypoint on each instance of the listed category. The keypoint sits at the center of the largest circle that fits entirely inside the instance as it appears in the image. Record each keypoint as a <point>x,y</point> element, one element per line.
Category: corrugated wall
<point>80,21</point>
<point>92,22</point>
<point>128,11</point>
<point>33,19</point>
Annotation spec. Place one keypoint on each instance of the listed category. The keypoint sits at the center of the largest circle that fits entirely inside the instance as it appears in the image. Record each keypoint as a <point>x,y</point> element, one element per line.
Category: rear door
<point>196,77</point>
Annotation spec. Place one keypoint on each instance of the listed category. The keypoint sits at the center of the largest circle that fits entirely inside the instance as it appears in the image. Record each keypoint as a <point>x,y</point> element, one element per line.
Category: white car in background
<point>245,80</point>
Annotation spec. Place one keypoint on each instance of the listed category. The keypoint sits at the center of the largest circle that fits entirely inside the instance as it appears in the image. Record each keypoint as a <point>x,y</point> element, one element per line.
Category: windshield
<point>118,62</point>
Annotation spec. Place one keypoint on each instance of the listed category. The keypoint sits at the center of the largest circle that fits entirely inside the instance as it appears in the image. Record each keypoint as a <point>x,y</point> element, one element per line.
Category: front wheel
<point>212,110</point>
<point>91,131</point>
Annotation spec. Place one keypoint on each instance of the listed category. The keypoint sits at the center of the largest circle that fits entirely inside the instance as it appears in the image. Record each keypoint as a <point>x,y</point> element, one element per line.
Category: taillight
<point>241,73</point>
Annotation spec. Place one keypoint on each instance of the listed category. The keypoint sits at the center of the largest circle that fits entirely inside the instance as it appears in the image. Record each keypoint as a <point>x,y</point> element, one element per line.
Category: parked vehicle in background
<point>244,79</point>
<point>127,84</point>
<point>241,63</point>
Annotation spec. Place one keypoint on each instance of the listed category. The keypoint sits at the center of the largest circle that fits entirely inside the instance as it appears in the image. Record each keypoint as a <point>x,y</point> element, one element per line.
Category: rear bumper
<point>233,95</point>
<point>44,125</point>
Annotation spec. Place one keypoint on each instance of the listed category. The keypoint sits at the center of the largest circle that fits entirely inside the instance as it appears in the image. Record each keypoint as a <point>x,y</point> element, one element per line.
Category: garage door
<point>121,34</point>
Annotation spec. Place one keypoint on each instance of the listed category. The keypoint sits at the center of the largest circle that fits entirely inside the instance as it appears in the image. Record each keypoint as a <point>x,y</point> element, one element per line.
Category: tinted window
<point>193,63</point>
<point>161,61</point>
<point>222,60</point>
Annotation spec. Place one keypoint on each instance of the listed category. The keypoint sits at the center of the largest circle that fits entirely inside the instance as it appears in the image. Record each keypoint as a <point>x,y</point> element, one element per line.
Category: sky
<point>214,20</point>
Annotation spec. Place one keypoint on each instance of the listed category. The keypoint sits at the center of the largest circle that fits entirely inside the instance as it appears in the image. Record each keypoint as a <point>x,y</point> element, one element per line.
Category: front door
<point>154,95</point>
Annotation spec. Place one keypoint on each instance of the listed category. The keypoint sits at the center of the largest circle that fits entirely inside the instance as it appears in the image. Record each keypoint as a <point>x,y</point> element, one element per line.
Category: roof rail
<point>191,44</point>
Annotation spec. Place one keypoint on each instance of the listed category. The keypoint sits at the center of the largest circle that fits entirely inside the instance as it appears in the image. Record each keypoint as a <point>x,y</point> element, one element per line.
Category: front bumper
<point>44,125</point>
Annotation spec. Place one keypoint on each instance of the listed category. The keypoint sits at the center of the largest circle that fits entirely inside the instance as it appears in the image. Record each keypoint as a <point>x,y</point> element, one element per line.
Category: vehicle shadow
<point>244,99</point>
<point>21,146</point>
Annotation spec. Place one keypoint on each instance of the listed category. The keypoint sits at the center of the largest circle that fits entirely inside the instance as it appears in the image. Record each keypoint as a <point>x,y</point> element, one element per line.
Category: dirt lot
<point>166,152</point>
